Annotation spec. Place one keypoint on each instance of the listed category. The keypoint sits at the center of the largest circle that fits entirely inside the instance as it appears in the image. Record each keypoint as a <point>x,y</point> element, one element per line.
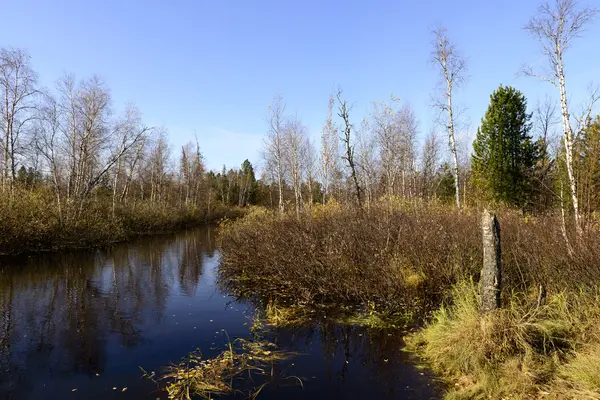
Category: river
<point>83,324</point>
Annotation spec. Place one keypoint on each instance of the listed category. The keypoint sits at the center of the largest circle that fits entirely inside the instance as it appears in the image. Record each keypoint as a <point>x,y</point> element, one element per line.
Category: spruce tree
<point>503,153</point>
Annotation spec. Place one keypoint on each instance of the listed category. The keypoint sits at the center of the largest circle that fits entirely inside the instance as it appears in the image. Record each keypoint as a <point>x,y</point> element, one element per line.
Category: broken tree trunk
<point>491,274</point>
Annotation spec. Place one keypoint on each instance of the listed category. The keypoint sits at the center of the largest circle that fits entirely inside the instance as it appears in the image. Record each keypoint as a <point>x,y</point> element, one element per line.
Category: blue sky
<point>212,67</point>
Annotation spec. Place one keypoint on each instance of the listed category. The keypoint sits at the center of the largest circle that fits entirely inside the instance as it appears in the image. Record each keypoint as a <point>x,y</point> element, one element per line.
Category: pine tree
<point>587,167</point>
<point>504,154</point>
<point>445,190</point>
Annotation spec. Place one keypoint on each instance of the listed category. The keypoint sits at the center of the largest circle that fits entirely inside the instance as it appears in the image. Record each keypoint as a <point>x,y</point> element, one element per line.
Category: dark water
<point>89,320</point>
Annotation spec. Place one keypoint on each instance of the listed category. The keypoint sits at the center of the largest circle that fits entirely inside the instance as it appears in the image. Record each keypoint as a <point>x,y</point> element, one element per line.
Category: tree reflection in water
<point>59,311</point>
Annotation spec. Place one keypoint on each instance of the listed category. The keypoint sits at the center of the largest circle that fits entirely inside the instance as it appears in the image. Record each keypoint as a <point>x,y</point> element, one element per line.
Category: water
<point>79,325</point>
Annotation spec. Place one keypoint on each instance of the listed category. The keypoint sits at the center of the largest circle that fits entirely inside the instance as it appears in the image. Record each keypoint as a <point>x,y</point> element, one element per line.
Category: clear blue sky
<point>214,66</point>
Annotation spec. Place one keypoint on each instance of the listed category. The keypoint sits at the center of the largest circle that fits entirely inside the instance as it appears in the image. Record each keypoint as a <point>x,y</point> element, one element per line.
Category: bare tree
<point>367,161</point>
<point>407,124</point>
<point>430,161</point>
<point>452,69</point>
<point>132,163</point>
<point>396,129</point>
<point>295,141</point>
<point>329,151</point>
<point>310,167</point>
<point>555,27</point>
<point>17,86</point>
<point>129,138</point>
<point>47,141</point>
<point>388,133</point>
<point>85,109</point>
<point>545,119</point>
<point>157,166</point>
<point>344,114</point>
<point>274,144</point>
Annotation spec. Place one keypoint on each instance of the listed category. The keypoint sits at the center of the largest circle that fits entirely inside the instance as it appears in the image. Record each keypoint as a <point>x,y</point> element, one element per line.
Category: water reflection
<point>58,312</point>
<point>81,324</point>
<point>349,362</point>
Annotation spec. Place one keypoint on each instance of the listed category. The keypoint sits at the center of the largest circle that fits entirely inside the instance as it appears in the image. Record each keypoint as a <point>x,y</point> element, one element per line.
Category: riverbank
<point>413,265</point>
<point>32,222</point>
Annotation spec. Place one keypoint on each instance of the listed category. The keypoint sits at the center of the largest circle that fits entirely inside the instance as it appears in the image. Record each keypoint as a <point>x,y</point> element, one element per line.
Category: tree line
<point>517,159</point>
<point>70,142</point>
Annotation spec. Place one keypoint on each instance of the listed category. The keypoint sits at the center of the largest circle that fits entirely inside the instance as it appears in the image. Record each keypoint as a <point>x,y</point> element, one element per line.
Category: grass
<point>206,378</point>
<point>582,371</point>
<point>278,316</point>
<point>521,351</point>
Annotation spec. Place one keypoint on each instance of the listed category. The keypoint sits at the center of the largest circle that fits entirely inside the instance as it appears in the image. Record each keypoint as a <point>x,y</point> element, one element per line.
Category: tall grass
<point>520,351</point>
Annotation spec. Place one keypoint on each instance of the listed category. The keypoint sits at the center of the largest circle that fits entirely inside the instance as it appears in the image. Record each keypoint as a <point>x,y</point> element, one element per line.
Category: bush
<point>334,255</point>
<point>398,256</point>
<point>30,221</point>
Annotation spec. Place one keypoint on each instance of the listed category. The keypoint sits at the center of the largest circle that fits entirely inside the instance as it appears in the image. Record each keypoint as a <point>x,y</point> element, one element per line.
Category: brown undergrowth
<point>31,222</point>
<point>406,264</point>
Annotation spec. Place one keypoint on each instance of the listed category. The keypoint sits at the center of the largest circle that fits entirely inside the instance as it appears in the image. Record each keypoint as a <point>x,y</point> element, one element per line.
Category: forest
<point>66,150</point>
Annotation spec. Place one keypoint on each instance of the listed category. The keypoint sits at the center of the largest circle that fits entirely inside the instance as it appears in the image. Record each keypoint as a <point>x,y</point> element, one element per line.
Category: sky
<point>211,68</point>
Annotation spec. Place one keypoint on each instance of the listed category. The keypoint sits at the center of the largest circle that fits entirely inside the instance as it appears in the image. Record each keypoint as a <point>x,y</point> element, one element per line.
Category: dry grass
<point>207,378</point>
<point>336,256</point>
<point>520,351</point>
<point>582,372</point>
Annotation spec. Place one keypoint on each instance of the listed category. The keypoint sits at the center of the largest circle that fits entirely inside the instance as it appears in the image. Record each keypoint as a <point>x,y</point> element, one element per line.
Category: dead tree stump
<point>491,274</point>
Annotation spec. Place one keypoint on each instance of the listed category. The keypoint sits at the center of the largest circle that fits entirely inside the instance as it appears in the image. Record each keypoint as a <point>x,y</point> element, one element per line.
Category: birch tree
<point>555,27</point>
<point>47,140</point>
<point>310,167</point>
<point>274,145</point>
<point>452,68</point>
<point>129,136</point>
<point>387,132</point>
<point>430,161</point>
<point>17,87</point>
<point>295,141</point>
<point>329,151</point>
<point>407,125</point>
<point>367,161</point>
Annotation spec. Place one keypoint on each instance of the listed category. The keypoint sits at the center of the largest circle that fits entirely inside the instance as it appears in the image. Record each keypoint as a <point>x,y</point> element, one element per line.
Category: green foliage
<point>235,187</point>
<point>587,167</point>
<point>503,152</point>
<point>446,190</point>
<point>28,177</point>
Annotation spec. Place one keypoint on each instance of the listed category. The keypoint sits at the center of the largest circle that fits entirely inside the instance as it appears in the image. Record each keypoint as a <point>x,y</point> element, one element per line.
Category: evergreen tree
<point>587,167</point>
<point>247,184</point>
<point>503,153</point>
<point>445,190</point>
